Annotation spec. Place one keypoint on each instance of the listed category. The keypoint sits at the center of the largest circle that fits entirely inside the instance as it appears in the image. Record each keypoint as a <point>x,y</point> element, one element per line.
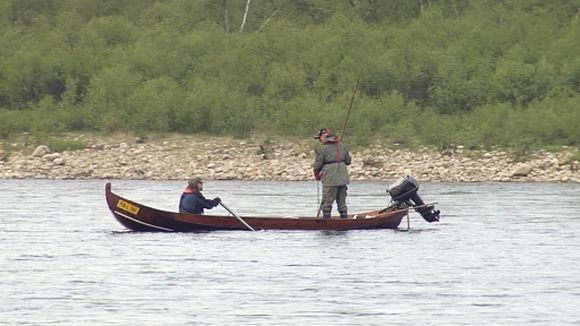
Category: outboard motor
<point>404,190</point>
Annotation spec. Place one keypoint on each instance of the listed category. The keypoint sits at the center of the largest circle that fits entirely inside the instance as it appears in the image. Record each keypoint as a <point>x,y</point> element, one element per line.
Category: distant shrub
<point>12,122</point>
<point>61,145</point>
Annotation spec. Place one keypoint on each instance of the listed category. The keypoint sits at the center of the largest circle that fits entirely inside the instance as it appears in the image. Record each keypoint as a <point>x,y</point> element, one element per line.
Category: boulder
<point>41,151</point>
<point>51,156</point>
<point>522,170</point>
<point>59,161</point>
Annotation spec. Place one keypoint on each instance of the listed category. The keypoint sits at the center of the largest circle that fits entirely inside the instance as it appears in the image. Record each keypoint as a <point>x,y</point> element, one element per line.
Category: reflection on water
<point>503,253</point>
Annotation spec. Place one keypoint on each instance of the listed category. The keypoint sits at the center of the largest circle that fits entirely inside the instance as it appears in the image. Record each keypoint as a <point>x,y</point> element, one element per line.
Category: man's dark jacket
<point>195,202</point>
<point>331,161</point>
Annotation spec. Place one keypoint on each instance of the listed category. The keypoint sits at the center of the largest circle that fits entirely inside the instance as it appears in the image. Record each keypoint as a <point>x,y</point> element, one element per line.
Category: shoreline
<point>179,157</point>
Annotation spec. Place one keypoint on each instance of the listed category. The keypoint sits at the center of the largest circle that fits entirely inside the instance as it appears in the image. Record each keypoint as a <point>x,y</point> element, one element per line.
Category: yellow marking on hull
<point>127,207</point>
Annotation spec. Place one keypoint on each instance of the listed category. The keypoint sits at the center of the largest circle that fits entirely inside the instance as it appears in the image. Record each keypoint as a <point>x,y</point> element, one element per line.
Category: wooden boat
<point>138,217</point>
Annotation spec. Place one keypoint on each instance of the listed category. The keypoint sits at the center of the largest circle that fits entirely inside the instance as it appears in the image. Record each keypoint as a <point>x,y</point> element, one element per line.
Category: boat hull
<point>138,217</point>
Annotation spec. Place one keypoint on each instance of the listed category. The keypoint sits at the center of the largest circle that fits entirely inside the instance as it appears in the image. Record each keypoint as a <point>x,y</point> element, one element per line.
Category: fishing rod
<point>342,132</point>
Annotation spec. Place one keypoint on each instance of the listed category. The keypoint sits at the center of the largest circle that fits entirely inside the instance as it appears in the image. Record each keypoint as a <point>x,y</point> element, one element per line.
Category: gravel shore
<point>180,157</point>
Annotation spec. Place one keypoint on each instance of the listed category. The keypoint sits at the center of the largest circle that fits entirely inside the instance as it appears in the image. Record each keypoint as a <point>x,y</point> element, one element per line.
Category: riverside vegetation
<point>448,75</point>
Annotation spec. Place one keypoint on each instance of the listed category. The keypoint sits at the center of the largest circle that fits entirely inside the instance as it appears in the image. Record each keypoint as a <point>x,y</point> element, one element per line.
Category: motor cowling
<point>405,190</point>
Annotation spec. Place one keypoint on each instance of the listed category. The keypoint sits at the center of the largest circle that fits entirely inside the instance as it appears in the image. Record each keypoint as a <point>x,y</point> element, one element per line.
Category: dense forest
<point>478,73</point>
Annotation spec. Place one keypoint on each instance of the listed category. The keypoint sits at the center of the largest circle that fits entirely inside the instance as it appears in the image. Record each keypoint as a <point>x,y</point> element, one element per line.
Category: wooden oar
<point>236,216</point>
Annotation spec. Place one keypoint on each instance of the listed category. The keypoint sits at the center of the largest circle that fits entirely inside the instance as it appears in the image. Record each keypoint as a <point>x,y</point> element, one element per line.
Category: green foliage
<point>106,107</point>
<point>437,72</point>
<point>12,122</point>
<point>61,145</point>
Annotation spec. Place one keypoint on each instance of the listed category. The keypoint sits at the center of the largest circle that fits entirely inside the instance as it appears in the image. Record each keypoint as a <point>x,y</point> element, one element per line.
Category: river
<point>503,254</point>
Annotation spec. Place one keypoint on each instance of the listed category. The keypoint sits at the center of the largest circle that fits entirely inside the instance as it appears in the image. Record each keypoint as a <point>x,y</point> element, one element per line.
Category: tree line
<point>435,72</point>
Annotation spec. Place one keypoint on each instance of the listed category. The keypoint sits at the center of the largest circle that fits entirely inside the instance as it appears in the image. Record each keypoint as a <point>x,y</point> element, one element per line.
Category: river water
<point>503,254</point>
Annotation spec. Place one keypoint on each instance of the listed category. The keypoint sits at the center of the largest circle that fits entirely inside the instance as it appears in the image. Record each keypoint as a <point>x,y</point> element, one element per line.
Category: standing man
<point>192,201</point>
<point>330,167</point>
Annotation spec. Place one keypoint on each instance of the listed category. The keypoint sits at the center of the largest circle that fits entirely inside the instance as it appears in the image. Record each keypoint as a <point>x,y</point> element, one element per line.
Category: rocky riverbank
<point>180,157</point>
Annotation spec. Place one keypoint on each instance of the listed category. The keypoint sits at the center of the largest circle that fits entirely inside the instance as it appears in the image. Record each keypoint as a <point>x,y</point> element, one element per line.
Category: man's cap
<point>193,181</point>
<point>321,132</point>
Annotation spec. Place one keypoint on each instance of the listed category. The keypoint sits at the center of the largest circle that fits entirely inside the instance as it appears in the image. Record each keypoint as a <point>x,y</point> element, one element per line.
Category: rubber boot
<point>326,213</point>
<point>343,214</point>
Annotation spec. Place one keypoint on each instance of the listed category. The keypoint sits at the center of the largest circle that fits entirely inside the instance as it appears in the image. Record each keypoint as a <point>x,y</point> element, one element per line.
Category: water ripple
<point>502,254</point>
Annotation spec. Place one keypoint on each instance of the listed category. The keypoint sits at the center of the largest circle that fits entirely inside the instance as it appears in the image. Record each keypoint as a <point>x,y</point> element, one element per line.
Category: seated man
<point>192,201</point>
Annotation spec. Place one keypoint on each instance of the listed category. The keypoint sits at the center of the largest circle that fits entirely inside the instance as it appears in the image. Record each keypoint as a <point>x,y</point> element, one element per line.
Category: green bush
<point>475,73</point>
<point>61,145</point>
